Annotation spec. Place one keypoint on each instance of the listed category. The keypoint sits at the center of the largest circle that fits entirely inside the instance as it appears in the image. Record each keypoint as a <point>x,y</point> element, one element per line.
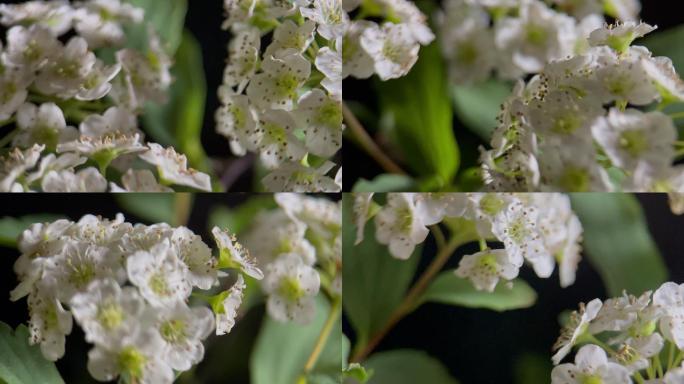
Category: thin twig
<point>322,340</point>
<point>367,143</point>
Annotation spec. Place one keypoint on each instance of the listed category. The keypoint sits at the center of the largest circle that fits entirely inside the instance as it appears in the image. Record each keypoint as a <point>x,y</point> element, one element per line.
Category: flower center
<point>491,204</point>
<point>173,331</point>
<point>110,315</point>
<point>158,284</point>
<point>566,124</point>
<point>81,274</point>
<point>517,230</point>
<point>592,380</point>
<point>535,34</point>
<point>467,53</point>
<point>633,142</point>
<point>291,289</point>
<point>131,361</point>
<point>575,180</point>
<point>488,264</point>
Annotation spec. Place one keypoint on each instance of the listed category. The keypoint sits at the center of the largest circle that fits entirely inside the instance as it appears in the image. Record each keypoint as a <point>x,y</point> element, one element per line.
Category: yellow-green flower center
<point>110,315</point>
<point>173,331</point>
<point>291,289</point>
<point>131,361</point>
<point>633,142</point>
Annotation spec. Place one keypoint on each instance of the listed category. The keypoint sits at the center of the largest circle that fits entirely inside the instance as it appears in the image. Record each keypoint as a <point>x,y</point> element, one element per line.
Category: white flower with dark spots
<point>291,287</point>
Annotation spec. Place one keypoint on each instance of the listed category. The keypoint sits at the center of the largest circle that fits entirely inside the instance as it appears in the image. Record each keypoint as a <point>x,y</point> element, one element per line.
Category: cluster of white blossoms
<point>284,102</point>
<point>625,340</point>
<point>388,44</point>
<point>67,115</point>
<point>540,229</point>
<point>576,127</point>
<point>128,287</point>
<point>300,246</point>
<point>518,37</point>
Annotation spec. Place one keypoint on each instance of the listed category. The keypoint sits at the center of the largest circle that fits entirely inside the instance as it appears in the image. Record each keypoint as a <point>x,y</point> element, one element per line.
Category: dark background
<point>664,14</point>
<point>484,347</point>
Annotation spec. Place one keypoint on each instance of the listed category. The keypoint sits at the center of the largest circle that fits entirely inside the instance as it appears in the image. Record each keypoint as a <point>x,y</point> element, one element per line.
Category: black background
<point>483,347</point>
<point>664,14</point>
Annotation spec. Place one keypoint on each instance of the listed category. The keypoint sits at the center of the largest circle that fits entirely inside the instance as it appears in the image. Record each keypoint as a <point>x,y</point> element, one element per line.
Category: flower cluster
<point>540,229</point>
<point>644,339</point>
<point>516,38</point>
<point>284,102</point>
<point>71,113</point>
<point>128,287</point>
<point>570,129</point>
<point>389,49</point>
<point>300,246</point>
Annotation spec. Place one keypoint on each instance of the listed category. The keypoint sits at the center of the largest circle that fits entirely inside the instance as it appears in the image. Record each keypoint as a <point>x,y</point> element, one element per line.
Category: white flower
<point>674,376</point>
<point>288,37</point>
<point>484,207</point>
<point>96,84</point>
<point>277,85</point>
<point>619,36</point>
<point>433,207</point>
<point>139,180</point>
<point>329,17</point>
<point>274,233</point>
<point>632,137</point>
<point>408,13</point>
<point>114,120</point>
<point>670,299</point>
<point>53,163</point>
<point>79,264</point>
<point>569,254</point>
<point>65,73</point>
<point>106,311</point>
<point>135,355</point>
<point>321,117</point>
<point>357,62</point>
<point>579,9</point>
<point>104,149</point>
<point>291,286</point>
<point>14,164</point>
<point>620,313</point>
<point>577,327</point>
<point>196,255</point>
<point>49,323</point>
<point>226,311</point>
<point>159,274</point>
<point>13,90</point>
<point>399,225</point>
<point>662,73</point>
<point>517,228</point>
<point>236,120</point>
<point>622,78</point>
<point>98,21</point>
<point>42,125</point>
<point>562,169</point>
<point>173,168</point>
<point>591,366</point>
<point>470,53</point>
<point>278,141</point>
<point>329,62</point>
<point>322,216</point>
<point>54,15</point>
<point>233,255</point>
<point>243,58</point>
<point>392,48</point>
<point>85,180</point>
<point>30,48</point>
<point>636,352</point>
<point>537,36</point>
<point>295,177</point>
<point>485,268</point>
<point>183,328</point>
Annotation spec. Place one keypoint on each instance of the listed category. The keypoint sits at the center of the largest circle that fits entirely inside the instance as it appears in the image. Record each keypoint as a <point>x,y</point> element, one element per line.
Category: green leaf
<point>532,368</point>
<point>166,17</point>
<point>419,113</point>
<point>385,183</point>
<point>238,219</point>
<point>374,281</point>
<point>477,106</point>
<point>453,290</point>
<point>21,363</point>
<point>407,366</point>
<point>617,242</point>
<point>12,227</point>
<point>357,372</point>
<point>282,349</point>
<point>153,207</point>
<point>179,122</point>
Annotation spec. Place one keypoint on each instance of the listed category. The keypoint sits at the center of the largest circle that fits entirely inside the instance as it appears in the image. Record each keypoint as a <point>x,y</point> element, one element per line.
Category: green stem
<point>438,235</point>
<point>670,355</point>
<point>658,365</point>
<point>182,204</point>
<point>322,340</point>
<point>367,144</point>
<point>411,300</point>
<point>639,378</point>
<point>483,244</point>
